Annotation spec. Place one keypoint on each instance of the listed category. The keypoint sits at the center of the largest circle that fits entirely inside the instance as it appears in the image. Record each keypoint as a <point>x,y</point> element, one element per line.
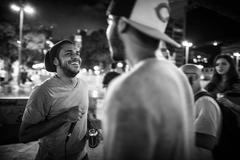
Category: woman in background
<point>225,77</point>
<point>225,87</point>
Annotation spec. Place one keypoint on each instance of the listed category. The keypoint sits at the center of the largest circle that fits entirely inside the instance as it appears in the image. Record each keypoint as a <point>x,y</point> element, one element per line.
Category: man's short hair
<point>108,77</point>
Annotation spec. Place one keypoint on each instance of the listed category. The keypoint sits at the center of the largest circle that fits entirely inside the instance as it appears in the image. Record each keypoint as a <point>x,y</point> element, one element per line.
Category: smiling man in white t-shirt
<point>55,106</point>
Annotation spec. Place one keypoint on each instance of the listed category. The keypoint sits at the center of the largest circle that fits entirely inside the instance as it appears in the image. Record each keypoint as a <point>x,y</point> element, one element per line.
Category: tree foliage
<point>8,41</point>
<point>34,42</point>
<point>95,50</point>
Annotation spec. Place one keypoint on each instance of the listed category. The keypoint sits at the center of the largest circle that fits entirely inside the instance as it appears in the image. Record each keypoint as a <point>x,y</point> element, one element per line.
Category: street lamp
<point>237,54</point>
<point>187,45</point>
<point>21,9</point>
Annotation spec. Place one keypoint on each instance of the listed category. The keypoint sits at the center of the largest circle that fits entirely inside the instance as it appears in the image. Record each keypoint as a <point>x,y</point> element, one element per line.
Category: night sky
<point>203,25</point>
<point>66,16</point>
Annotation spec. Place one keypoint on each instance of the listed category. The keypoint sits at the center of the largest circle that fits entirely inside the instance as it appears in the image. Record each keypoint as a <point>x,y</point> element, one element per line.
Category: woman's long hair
<point>232,74</point>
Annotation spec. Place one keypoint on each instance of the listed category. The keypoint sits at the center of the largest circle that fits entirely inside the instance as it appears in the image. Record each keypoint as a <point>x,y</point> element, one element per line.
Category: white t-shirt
<point>208,116</point>
<point>50,99</point>
<point>149,114</point>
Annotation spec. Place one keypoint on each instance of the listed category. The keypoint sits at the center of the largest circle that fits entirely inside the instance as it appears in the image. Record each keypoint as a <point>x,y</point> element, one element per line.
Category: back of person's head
<point>193,74</point>
<point>108,77</point>
<point>147,18</point>
<point>232,73</point>
<point>191,69</point>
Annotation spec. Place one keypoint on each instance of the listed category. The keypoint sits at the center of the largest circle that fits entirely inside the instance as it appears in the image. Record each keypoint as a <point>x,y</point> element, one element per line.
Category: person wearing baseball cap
<point>208,114</point>
<point>56,112</point>
<point>149,110</point>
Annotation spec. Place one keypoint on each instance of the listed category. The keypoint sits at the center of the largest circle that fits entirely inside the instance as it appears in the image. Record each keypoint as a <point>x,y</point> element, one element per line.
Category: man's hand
<point>225,101</point>
<point>74,114</point>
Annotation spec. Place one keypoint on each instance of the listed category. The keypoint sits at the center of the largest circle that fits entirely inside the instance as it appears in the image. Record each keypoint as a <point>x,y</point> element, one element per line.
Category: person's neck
<point>137,53</point>
<point>198,89</point>
<point>66,80</point>
<point>224,78</point>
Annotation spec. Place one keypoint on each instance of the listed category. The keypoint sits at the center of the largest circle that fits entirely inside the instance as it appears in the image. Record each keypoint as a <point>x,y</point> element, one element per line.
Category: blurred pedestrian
<point>56,112</point>
<point>225,82</point>
<point>225,87</point>
<point>208,114</point>
<point>225,77</point>
<point>24,77</point>
<point>149,110</point>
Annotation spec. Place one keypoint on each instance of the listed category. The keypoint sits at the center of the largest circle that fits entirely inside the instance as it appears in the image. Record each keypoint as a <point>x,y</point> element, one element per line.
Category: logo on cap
<point>162,11</point>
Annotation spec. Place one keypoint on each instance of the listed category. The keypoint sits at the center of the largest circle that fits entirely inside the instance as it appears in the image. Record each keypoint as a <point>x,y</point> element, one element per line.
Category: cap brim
<point>152,32</point>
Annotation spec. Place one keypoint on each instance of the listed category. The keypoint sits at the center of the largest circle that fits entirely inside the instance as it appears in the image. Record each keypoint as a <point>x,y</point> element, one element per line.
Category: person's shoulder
<point>123,91</point>
<point>238,80</point>
<point>236,83</point>
<point>131,81</point>
<point>121,81</point>
<point>169,69</point>
<point>159,64</point>
<point>234,88</point>
<point>82,82</point>
<point>206,98</point>
<point>154,67</point>
<point>122,86</point>
<point>45,85</point>
<point>206,101</point>
<point>37,91</point>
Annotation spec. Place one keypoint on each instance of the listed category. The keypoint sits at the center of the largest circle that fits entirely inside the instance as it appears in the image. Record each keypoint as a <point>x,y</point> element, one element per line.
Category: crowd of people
<point>153,111</point>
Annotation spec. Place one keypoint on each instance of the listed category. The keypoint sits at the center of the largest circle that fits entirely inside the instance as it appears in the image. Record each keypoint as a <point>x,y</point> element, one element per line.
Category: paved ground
<point>28,151</point>
<point>11,149</point>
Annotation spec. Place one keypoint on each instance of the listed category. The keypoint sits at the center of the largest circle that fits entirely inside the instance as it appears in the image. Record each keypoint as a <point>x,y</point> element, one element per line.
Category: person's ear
<point>55,61</point>
<point>122,25</point>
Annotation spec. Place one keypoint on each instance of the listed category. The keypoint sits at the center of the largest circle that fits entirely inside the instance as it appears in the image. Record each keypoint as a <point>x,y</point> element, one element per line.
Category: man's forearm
<point>34,132</point>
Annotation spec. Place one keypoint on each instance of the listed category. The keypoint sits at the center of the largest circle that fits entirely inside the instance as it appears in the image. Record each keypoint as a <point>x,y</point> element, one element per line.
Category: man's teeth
<point>74,63</point>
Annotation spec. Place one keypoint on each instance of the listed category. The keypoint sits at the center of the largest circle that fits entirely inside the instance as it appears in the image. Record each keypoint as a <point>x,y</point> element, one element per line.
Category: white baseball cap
<point>191,69</point>
<point>148,16</point>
